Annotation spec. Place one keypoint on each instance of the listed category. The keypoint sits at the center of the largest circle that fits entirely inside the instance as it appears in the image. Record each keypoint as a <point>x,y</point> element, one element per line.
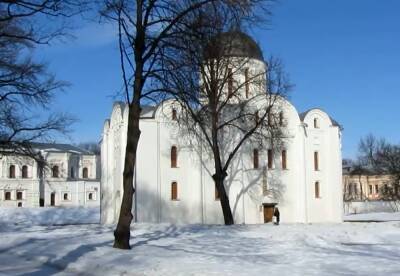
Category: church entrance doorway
<point>268,212</point>
<point>53,199</point>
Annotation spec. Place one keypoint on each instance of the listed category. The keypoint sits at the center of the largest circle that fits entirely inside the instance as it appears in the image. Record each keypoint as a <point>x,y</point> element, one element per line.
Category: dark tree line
<point>384,158</point>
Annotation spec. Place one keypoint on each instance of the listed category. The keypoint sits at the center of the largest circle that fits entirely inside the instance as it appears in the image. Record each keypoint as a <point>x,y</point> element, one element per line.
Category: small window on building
<point>174,117</point>
<point>230,83</point>
<point>7,196</point>
<point>370,189</point>
<point>19,195</point>
<point>19,204</point>
<point>316,123</point>
<point>85,173</point>
<point>72,172</point>
<point>376,189</point>
<point>281,118</point>
<point>386,189</point>
<point>355,189</point>
<point>255,158</point>
<point>65,196</point>
<point>217,197</point>
<point>90,196</point>
<point>284,160</point>
<point>316,161</point>
<point>350,189</point>
<point>11,173</point>
<point>317,190</point>
<point>24,171</point>
<point>174,157</point>
<point>174,191</point>
<point>55,172</point>
<point>270,159</point>
<point>246,83</point>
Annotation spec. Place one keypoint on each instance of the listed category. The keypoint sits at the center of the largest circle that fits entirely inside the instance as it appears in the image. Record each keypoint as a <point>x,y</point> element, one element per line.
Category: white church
<point>173,180</point>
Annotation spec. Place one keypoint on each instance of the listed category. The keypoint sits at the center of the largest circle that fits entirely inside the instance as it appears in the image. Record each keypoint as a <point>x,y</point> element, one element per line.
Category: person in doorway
<point>277,215</point>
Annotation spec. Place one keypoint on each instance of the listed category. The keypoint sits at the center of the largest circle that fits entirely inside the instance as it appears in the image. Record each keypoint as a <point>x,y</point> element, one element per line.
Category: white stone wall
<point>74,186</point>
<point>293,189</point>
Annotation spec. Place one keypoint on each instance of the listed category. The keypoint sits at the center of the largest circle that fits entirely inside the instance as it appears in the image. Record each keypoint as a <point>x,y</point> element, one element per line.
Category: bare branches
<point>26,87</point>
<point>384,158</point>
<point>229,96</point>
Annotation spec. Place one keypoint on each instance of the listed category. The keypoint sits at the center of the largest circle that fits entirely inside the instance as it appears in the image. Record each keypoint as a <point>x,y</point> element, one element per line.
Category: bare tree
<point>225,103</point>
<point>145,27</point>
<point>384,158</point>
<point>26,87</point>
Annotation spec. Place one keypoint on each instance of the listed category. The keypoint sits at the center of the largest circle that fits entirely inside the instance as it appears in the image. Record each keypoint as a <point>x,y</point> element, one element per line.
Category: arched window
<point>316,123</point>
<point>72,172</point>
<point>174,191</point>
<point>24,171</point>
<point>19,195</point>
<point>270,159</point>
<point>7,196</point>
<point>230,83</point>
<point>316,161</point>
<point>55,171</point>
<point>19,204</point>
<point>174,157</point>
<point>255,158</point>
<point>65,196</point>
<point>246,82</point>
<point>90,196</point>
<point>11,172</point>
<point>53,199</point>
<point>281,118</point>
<point>85,173</point>
<point>317,190</point>
<point>284,160</point>
<point>174,117</point>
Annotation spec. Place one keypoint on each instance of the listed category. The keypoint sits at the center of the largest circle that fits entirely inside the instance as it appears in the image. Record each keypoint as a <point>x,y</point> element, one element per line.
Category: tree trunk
<point>219,178</point>
<point>122,233</point>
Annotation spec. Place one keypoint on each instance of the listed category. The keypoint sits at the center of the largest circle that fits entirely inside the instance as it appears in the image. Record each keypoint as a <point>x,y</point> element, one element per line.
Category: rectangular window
<point>376,189</point>
<point>284,160</point>
<point>350,189</point>
<point>255,158</point>
<point>19,195</point>
<point>65,196</point>
<point>355,189</point>
<point>317,190</point>
<point>270,159</point>
<point>316,161</point>
<point>370,189</point>
<point>7,196</point>
<point>174,191</point>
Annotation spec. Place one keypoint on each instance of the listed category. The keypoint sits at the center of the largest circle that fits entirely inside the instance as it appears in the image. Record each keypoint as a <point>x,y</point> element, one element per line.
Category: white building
<point>69,178</point>
<point>304,179</point>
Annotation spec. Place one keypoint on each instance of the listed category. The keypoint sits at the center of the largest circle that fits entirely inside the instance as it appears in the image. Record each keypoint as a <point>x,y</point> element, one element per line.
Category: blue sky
<point>343,56</point>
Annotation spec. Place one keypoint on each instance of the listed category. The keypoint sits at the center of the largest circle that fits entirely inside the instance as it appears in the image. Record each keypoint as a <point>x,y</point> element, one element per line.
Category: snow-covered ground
<point>164,249</point>
<point>373,217</point>
<point>49,215</point>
